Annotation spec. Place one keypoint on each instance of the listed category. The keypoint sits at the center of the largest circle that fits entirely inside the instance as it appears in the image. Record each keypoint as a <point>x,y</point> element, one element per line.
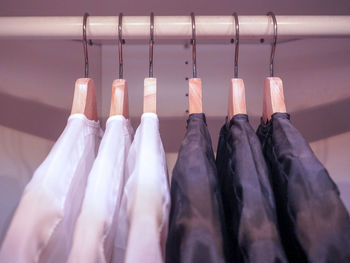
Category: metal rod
<point>273,45</point>
<point>86,57</point>
<point>151,43</point>
<point>120,44</point>
<point>235,73</point>
<point>194,45</point>
<point>174,27</point>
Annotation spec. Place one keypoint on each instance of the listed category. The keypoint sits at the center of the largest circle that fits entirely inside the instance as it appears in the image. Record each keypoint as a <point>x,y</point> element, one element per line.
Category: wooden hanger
<point>84,100</point>
<point>195,95</point>
<point>195,84</point>
<point>273,87</point>
<point>236,98</point>
<point>150,95</point>
<point>119,99</point>
<point>150,83</point>
<point>273,98</point>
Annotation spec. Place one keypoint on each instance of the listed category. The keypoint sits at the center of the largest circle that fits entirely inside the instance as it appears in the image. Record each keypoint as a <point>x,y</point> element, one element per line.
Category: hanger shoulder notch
<point>273,98</point>
<point>195,96</point>
<point>150,95</point>
<point>119,99</point>
<point>236,99</point>
<point>84,100</point>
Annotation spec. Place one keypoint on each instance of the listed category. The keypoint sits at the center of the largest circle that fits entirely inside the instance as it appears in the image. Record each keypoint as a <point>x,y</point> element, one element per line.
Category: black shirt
<point>314,224</point>
<point>249,205</point>
<point>196,216</point>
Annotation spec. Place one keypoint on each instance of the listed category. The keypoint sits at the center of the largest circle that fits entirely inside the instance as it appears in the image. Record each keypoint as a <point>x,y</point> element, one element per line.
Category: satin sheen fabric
<point>249,205</point>
<point>94,235</point>
<point>196,217</point>
<point>314,224</point>
<point>45,217</point>
<point>146,199</point>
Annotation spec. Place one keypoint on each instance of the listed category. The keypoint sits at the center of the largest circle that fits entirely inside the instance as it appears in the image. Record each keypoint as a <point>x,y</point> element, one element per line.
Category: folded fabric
<point>249,205</point>
<point>313,222</point>
<point>42,226</point>
<point>94,235</point>
<point>196,225</point>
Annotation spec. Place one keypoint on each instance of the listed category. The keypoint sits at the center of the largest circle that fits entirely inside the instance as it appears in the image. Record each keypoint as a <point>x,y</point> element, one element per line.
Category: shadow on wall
<point>48,122</point>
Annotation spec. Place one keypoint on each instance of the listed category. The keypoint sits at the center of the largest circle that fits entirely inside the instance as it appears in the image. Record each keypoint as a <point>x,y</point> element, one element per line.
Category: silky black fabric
<point>314,224</point>
<point>249,205</point>
<point>196,216</point>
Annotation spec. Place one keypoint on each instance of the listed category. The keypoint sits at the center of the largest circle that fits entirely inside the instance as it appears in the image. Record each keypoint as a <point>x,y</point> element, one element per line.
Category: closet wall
<point>37,80</point>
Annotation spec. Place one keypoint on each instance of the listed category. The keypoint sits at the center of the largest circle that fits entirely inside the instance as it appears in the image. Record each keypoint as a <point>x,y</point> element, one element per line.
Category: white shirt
<point>146,200</point>
<point>52,198</point>
<point>94,236</point>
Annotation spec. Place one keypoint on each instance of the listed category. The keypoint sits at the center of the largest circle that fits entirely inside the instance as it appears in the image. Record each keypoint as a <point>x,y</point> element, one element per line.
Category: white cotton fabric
<point>94,236</point>
<point>144,215</point>
<point>45,216</point>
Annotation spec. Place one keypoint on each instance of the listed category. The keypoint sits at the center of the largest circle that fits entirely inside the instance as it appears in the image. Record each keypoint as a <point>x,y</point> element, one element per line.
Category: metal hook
<point>273,45</point>
<point>85,42</point>
<point>120,44</point>
<point>194,42</point>
<point>236,45</point>
<point>151,42</point>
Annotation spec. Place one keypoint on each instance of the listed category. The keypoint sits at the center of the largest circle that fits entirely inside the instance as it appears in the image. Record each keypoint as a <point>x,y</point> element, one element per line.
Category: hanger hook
<point>236,45</point>
<point>194,43</point>
<point>120,44</point>
<point>274,43</point>
<point>151,42</point>
<point>85,42</point>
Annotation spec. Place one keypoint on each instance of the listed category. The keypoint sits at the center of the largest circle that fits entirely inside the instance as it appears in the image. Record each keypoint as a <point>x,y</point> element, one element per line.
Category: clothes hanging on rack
<point>94,235</point>
<point>229,217</point>
<point>42,226</point>
<point>249,205</point>
<point>196,217</point>
<point>146,195</point>
<point>313,222</point>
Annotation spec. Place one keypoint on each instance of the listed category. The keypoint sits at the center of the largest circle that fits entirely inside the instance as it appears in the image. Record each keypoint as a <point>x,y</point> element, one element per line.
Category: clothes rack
<point>173,27</point>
